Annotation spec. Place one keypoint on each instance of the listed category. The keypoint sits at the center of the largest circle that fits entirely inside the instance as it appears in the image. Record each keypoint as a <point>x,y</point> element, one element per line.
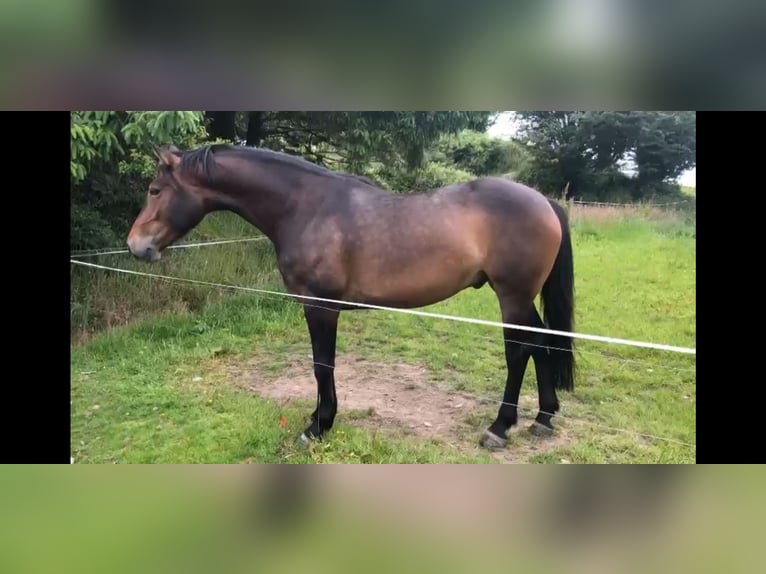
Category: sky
<point>505,127</point>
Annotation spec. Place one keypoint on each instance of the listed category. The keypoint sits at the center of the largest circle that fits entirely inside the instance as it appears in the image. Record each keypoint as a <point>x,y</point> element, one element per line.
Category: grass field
<point>171,373</point>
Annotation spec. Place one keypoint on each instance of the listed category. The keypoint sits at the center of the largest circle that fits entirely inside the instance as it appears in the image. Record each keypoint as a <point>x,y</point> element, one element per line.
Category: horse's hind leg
<point>517,353</point>
<point>549,403</point>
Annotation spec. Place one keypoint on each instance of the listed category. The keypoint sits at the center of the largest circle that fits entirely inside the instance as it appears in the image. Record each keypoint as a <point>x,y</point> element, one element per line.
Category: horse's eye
<point>154,191</point>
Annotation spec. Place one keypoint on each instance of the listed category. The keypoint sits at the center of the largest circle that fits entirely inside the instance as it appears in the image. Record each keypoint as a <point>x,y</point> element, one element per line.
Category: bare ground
<point>398,399</point>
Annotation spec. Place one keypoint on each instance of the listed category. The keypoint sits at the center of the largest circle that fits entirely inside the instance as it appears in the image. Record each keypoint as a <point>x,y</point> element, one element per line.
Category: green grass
<point>158,373</point>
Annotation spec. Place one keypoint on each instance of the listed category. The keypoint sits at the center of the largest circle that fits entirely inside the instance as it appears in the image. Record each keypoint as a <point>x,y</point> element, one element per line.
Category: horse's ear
<point>167,156</point>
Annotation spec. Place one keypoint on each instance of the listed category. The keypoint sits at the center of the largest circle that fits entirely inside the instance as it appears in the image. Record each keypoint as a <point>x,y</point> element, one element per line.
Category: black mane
<point>202,163</point>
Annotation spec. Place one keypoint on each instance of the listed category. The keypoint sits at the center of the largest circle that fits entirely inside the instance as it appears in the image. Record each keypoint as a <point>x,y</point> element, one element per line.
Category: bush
<point>89,228</point>
<point>609,186</point>
<point>480,153</point>
<point>539,175</point>
<point>429,176</point>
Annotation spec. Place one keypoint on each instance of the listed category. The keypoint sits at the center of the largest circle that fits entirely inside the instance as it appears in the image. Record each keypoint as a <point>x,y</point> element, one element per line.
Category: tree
<point>349,140</point>
<point>666,146</point>
<point>610,135</point>
<point>583,150</point>
<point>221,125</point>
<point>557,146</point>
<point>255,130</point>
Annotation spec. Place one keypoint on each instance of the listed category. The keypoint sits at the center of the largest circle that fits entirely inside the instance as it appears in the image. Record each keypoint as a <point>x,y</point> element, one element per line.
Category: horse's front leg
<point>323,328</point>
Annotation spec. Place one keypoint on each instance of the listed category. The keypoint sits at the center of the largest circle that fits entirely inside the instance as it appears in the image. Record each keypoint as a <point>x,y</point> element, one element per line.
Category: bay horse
<point>339,236</point>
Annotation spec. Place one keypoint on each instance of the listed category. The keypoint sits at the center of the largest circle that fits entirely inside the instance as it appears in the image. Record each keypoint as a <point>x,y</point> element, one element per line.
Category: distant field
<point>168,373</point>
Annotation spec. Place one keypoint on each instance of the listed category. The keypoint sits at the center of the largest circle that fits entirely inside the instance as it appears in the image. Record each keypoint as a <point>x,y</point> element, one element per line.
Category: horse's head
<point>174,205</point>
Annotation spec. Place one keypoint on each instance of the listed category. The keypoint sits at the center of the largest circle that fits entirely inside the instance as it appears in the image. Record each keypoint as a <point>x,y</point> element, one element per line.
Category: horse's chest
<point>313,270</point>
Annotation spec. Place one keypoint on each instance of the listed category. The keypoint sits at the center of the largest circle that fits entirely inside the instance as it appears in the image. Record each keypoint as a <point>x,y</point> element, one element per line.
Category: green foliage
<point>586,148</point>
<point>89,227</point>
<point>609,184</point>
<point>94,141</point>
<point>666,145</point>
<point>429,176</point>
<point>556,146</point>
<point>99,139</point>
<point>111,162</point>
<point>350,140</point>
<point>480,153</point>
<point>541,174</point>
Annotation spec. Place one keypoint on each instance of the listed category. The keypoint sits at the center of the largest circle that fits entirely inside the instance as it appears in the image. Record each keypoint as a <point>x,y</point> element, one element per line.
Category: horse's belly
<point>412,287</point>
<point>415,263</point>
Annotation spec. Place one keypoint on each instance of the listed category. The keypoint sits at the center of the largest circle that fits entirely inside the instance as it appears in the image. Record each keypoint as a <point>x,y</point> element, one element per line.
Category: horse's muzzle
<point>143,248</point>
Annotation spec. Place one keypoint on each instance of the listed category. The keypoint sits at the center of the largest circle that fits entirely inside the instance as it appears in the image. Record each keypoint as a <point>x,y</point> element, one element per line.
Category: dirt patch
<point>398,399</point>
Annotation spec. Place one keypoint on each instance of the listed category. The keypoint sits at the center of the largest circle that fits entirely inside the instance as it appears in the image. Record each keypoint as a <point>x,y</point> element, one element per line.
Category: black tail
<point>557,305</point>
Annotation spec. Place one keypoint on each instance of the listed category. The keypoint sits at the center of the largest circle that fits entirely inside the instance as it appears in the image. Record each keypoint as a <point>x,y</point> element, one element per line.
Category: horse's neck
<point>264,201</point>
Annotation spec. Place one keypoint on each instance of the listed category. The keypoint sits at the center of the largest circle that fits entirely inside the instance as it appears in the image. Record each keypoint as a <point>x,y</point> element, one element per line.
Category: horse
<point>341,237</point>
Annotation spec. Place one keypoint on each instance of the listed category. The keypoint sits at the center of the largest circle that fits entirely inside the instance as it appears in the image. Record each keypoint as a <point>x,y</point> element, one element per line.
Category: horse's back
<point>498,193</point>
<point>414,249</point>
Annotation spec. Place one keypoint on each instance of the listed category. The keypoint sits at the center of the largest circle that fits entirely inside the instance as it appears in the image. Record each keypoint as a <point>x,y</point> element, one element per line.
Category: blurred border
<point>425,519</point>
<point>563,54</point>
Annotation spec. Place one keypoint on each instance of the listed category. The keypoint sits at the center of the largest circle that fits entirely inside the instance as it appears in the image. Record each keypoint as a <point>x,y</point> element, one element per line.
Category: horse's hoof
<point>540,430</point>
<point>307,439</point>
<point>491,441</point>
